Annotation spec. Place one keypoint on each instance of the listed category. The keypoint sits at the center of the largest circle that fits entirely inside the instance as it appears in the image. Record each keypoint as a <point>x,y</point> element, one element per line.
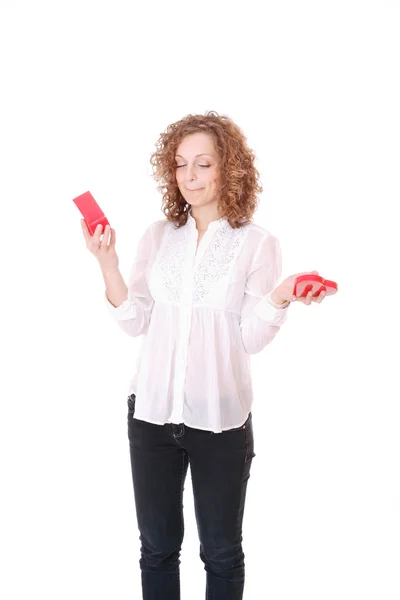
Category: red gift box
<point>306,283</point>
<point>91,212</point>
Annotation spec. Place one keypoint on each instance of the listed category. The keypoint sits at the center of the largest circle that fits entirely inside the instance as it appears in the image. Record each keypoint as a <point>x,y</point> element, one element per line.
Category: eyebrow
<point>176,156</point>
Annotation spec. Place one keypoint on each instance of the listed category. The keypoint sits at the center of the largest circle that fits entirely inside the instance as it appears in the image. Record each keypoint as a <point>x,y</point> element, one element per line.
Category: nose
<point>188,171</point>
<point>189,174</point>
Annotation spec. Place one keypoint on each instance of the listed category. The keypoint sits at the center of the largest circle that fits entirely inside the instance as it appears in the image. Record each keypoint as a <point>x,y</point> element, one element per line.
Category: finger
<point>320,296</point>
<point>97,234</point>
<point>112,238</point>
<point>305,299</point>
<point>85,230</point>
<point>104,241</point>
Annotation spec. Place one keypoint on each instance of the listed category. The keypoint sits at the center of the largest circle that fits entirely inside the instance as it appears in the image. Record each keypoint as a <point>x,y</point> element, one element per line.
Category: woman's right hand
<point>103,249</point>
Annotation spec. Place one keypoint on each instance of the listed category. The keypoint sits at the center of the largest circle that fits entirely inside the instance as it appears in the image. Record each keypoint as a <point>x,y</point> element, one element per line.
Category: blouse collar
<point>213,224</point>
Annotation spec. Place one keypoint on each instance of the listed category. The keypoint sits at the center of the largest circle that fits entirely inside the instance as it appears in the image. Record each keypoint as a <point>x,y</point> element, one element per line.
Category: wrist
<point>109,271</point>
<point>276,299</point>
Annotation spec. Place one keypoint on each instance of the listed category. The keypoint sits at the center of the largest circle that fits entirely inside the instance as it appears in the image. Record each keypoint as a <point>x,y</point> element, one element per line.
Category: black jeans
<point>220,468</point>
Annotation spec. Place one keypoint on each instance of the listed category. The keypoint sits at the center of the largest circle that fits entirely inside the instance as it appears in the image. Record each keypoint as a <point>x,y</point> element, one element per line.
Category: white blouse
<point>202,312</point>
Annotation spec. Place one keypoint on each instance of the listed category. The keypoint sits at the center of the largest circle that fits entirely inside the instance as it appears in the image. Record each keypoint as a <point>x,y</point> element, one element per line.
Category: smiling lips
<point>198,190</point>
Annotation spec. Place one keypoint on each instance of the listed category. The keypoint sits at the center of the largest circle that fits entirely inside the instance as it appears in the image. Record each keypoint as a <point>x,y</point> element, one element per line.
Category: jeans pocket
<point>131,401</point>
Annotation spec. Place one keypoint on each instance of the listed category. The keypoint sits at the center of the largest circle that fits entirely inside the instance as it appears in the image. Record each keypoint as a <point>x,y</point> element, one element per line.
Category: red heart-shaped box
<point>91,212</point>
<point>307,283</point>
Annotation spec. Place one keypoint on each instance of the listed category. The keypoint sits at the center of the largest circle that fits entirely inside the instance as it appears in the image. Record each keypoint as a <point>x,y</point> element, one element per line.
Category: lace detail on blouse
<point>172,261</point>
<point>218,260</point>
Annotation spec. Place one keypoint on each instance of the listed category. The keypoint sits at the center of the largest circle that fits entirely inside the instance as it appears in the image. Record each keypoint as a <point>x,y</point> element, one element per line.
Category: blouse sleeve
<point>133,315</point>
<point>260,321</point>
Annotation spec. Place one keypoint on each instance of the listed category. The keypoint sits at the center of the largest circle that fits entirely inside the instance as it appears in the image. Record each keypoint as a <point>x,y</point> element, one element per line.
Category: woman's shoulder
<point>258,232</point>
<point>158,224</point>
<point>155,227</point>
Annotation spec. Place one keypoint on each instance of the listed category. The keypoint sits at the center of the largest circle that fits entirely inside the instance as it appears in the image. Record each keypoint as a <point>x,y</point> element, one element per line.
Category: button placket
<point>192,258</point>
<point>185,326</point>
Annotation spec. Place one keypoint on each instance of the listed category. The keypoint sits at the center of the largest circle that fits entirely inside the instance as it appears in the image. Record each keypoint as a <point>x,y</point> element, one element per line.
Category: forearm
<point>260,322</point>
<point>116,289</point>
<point>256,334</point>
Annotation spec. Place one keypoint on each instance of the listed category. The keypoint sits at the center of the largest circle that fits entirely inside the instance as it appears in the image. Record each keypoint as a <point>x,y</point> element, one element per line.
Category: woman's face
<point>197,169</point>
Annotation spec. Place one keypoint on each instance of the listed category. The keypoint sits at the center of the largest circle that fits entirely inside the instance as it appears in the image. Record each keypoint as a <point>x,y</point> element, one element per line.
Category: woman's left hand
<point>284,291</point>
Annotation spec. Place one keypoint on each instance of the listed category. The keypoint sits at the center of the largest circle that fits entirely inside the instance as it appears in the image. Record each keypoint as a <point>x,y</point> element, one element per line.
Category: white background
<point>87,88</point>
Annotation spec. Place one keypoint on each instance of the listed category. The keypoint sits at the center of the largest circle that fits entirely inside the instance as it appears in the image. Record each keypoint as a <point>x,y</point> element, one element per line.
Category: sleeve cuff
<point>268,313</point>
<point>125,311</point>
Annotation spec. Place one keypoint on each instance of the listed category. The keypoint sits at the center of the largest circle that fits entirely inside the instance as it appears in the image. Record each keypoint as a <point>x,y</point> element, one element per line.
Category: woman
<point>203,292</point>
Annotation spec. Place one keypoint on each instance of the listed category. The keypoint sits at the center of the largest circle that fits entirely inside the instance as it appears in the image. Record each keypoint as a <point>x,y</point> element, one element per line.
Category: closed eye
<point>205,166</point>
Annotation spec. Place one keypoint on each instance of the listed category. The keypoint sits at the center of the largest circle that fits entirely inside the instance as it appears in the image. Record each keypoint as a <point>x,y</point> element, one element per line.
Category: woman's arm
<point>131,305</point>
<point>260,321</point>
<point>116,289</point>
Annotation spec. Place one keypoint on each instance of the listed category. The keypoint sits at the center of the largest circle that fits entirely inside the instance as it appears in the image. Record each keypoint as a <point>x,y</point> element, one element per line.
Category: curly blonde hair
<point>238,181</point>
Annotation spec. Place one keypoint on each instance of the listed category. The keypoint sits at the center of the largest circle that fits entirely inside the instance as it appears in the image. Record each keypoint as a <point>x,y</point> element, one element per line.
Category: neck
<point>204,215</point>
